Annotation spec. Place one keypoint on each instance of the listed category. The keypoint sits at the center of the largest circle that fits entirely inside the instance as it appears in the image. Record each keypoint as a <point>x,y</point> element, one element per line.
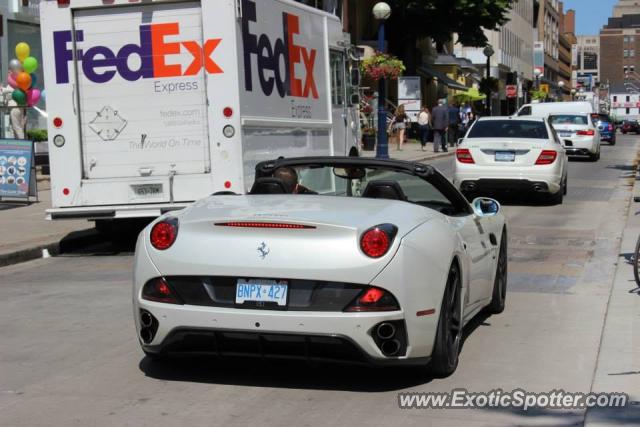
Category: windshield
<point>354,181</point>
<point>509,129</point>
<point>568,119</point>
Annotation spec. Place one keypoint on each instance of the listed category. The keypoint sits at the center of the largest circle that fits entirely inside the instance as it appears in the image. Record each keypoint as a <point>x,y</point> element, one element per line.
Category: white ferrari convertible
<point>326,258</point>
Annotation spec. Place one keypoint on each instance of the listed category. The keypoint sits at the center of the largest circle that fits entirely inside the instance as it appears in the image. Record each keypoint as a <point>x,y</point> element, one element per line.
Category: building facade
<point>587,55</point>
<point>619,49</point>
<point>548,33</point>
<point>626,7</point>
<point>625,106</point>
<point>566,42</point>
<point>512,61</point>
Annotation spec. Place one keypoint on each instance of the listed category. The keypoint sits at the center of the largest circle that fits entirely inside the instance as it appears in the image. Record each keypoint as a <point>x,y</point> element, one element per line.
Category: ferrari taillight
<point>373,299</point>
<point>464,156</point>
<point>376,241</point>
<point>164,233</point>
<point>547,157</point>
<point>159,290</point>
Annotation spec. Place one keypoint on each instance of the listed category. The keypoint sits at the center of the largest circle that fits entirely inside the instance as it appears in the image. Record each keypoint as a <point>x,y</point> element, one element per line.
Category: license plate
<point>147,190</point>
<point>505,156</point>
<point>565,134</point>
<point>261,291</point>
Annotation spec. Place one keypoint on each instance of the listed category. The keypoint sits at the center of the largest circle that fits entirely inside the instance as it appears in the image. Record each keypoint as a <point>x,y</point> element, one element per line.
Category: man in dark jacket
<point>440,124</point>
<point>454,124</point>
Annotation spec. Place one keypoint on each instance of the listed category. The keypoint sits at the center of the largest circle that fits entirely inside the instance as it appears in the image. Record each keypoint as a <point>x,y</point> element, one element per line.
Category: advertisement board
<point>410,95</point>
<point>16,159</point>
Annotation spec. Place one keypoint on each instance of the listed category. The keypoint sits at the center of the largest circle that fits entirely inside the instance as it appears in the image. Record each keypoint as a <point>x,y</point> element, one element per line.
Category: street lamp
<point>488,52</point>
<point>382,12</point>
<point>536,73</point>
<point>561,85</point>
<point>573,94</point>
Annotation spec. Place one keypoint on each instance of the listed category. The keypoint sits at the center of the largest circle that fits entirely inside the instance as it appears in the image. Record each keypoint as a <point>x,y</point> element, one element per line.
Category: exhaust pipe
<point>386,331</point>
<point>537,188</point>
<point>146,319</point>
<point>146,336</point>
<point>390,347</point>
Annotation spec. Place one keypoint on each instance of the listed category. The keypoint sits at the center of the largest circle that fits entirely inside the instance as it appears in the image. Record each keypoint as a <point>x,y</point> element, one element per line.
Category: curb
<point>66,244</point>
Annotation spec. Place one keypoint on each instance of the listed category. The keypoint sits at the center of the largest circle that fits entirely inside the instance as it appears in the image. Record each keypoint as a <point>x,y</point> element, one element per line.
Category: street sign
<point>512,91</point>
<point>16,160</point>
<point>544,88</point>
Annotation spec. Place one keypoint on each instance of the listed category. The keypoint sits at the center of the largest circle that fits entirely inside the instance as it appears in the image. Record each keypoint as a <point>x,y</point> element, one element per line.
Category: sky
<point>591,15</point>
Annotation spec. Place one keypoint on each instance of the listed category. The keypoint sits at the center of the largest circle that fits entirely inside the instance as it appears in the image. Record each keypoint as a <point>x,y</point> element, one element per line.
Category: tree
<point>440,19</point>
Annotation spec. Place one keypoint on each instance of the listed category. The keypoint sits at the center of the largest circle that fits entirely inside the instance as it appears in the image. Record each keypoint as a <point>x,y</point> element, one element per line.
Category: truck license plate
<point>261,290</point>
<point>147,190</point>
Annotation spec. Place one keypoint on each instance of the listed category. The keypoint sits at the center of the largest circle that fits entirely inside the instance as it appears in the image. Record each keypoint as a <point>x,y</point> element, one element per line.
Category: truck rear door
<point>141,90</point>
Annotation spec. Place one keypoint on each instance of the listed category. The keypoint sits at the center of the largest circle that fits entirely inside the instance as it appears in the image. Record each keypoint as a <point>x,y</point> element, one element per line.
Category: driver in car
<point>289,178</point>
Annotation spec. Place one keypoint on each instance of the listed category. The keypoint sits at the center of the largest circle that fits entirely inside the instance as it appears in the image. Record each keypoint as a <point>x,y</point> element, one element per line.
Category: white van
<point>155,104</point>
<point>543,109</point>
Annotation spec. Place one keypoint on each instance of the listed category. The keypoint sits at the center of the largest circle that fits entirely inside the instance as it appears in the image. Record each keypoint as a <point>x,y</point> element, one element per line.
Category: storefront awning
<point>442,78</point>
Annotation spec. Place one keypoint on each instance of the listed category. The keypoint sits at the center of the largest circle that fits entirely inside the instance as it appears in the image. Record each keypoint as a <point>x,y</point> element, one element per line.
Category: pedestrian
<point>400,127</point>
<point>454,124</point>
<point>439,124</point>
<point>424,118</point>
<point>469,120</point>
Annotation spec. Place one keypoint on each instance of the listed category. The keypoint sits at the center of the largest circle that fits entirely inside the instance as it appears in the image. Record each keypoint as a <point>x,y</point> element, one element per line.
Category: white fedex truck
<point>154,104</point>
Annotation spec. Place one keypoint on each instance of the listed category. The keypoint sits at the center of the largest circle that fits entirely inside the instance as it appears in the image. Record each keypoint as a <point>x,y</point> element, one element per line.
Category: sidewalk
<point>26,232</point>
<point>618,365</point>
<point>411,152</point>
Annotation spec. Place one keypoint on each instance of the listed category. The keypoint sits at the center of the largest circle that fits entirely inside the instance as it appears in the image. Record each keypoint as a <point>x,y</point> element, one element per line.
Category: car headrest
<point>384,190</point>
<point>268,185</point>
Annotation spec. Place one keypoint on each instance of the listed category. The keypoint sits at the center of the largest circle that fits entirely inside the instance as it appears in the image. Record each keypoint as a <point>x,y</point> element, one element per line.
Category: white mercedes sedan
<point>511,154</point>
<point>579,134</point>
<point>327,258</point>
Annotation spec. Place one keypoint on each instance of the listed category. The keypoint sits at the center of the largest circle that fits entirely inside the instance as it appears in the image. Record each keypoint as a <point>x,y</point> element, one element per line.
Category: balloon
<point>34,80</point>
<point>30,64</point>
<point>24,81</point>
<point>43,95</point>
<point>22,51</point>
<point>19,96</point>
<point>12,81</point>
<point>15,66</point>
<point>33,96</point>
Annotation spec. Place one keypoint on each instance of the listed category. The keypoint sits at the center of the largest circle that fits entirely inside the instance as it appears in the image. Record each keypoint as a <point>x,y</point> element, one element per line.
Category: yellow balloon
<point>22,51</point>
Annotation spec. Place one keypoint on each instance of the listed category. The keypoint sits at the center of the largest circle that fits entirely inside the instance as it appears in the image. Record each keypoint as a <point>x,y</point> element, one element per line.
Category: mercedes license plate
<point>147,190</point>
<point>505,156</point>
<point>261,291</point>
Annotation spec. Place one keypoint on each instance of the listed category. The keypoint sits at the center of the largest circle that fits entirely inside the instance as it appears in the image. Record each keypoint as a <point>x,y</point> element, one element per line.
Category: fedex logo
<point>100,64</point>
<point>270,55</point>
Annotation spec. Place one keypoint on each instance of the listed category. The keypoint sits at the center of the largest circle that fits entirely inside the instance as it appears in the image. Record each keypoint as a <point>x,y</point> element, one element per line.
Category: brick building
<point>619,49</point>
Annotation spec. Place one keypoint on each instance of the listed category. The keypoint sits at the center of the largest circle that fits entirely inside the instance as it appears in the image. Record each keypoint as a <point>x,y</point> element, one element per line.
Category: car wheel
<point>612,142</point>
<point>594,157</point>
<point>500,283</point>
<point>444,358</point>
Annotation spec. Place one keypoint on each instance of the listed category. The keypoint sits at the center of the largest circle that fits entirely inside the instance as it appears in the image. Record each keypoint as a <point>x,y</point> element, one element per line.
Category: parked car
<point>511,154</point>
<point>606,127</point>
<point>365,260</point>
<point>630,126</point>
<point>579,134</point>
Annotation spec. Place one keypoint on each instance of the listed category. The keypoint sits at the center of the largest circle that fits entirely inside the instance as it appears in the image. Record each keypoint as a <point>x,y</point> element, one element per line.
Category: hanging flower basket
<point>383,66</point>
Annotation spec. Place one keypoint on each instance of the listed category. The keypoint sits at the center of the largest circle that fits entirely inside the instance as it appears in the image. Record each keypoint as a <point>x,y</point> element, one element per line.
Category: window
<point>615,98</point>
<point>568,119</point>
<point>632,53</point>
<point>337,78</point>
<point>625,53</point>
<point>509,129</point>
<point>628,98</point>
<point>626,39</point>
<point>628,111</point>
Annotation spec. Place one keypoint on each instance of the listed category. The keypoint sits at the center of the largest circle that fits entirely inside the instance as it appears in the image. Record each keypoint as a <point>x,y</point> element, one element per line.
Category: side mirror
<point>354,99</point>
<point>355,77</point>
<point>485,207</point>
